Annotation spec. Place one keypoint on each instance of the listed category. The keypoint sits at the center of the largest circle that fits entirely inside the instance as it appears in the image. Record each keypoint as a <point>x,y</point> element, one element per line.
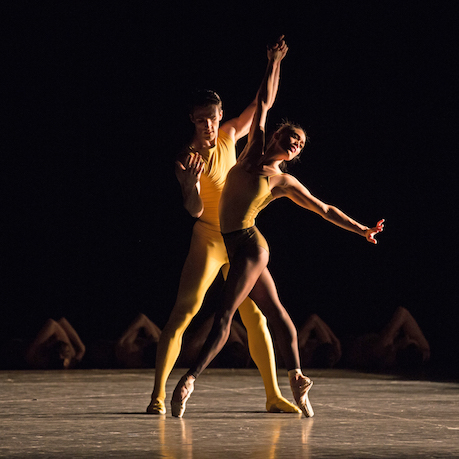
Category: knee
<point>177,323</point>
<point>259,322</point>
<point>253,319</point>
<point>223,323</point>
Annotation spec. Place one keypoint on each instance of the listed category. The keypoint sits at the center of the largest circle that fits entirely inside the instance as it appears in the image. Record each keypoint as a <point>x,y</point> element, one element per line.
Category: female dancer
<point>254,181</point>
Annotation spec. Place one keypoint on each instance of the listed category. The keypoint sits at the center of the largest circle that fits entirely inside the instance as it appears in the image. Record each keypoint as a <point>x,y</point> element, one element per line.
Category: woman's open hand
<point>370,233</point>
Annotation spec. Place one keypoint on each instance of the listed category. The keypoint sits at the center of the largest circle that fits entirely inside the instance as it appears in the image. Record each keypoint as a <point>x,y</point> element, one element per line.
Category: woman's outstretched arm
<point>290,187</point>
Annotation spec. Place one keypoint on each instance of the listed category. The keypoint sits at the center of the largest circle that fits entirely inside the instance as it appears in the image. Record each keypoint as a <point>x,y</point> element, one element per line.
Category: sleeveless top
<point>244,196</point>
<point>218,161</point>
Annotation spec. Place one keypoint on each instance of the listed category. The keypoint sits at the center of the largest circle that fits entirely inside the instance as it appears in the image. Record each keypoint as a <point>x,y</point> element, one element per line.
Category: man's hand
<point>189,174</point>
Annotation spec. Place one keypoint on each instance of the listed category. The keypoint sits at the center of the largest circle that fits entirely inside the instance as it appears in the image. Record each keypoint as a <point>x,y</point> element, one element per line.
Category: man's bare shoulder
<point>228,127</point>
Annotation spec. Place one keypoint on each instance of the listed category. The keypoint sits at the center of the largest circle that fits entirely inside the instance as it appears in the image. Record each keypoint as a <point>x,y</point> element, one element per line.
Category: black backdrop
<point>96,99</point>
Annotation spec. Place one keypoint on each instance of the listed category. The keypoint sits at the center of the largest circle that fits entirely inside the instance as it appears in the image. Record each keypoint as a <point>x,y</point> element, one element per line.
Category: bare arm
<point>50,332</point>
<point>239,127</point>
<point>132,332</point>
<point>279,46</point>
<point>402,320</point>
<point>74,338</point>
<point>268,88</point>
<point>265,98</point>
<point>290,187</point>
<point>326,335</point>
<point>188,170</point>
<point>305,331</point>
<point>322,330</point>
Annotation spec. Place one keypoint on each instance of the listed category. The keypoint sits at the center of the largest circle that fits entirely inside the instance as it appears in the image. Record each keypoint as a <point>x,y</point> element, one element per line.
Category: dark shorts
<point>248,239</point>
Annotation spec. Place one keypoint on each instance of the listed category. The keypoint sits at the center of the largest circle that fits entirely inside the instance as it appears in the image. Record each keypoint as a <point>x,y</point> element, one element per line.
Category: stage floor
<point>101,413</point>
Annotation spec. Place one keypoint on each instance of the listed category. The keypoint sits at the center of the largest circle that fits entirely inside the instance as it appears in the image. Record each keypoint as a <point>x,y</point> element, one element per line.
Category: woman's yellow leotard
<point>244,196</point>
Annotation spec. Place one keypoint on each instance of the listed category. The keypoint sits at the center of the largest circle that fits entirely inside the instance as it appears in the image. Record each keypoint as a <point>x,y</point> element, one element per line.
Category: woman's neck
<point>271,160</point>
<point>263,167</point>
<point>271,168</point>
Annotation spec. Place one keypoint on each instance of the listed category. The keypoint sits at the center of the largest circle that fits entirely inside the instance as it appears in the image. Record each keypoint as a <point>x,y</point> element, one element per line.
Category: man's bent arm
<point>189,175</point>
<point>239,127</point>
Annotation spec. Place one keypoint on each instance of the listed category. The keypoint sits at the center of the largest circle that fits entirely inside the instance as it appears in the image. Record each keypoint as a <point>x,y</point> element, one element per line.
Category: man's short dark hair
<point>204,98</point>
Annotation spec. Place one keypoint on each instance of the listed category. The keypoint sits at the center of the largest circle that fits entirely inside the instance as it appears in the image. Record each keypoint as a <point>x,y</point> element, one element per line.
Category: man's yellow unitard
<point>207,255</point>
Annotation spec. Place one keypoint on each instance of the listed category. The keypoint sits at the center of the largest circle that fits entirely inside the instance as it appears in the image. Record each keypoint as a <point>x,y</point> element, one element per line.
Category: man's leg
<point>200,269</point>
<point>262,352</point>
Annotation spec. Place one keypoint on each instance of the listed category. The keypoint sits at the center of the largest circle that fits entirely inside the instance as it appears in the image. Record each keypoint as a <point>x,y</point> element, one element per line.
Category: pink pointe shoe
<point>301,385</point>
<point>182,393</point>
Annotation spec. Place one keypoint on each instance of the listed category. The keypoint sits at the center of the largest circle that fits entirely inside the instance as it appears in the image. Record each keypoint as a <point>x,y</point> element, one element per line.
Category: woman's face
<point>292,141</point>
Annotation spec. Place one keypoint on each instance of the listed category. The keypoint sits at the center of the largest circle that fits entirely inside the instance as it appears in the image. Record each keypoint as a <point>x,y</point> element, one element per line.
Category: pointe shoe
<point>301,385</point>
<point>178,402</point>
<point>156,407</point>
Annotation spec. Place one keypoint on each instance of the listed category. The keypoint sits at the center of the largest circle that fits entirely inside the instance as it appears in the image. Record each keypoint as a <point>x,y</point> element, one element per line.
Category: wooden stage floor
<point>101,413</point>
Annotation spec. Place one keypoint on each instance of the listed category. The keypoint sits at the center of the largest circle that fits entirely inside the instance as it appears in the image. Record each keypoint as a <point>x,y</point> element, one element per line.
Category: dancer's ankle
<point>294,374</point>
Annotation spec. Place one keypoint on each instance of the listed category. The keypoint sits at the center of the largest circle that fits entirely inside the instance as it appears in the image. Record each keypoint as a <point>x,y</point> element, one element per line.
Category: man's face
<point>207,121</point>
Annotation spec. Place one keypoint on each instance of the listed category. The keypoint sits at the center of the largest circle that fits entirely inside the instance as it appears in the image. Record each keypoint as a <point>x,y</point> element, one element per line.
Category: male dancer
<point>201,172</point>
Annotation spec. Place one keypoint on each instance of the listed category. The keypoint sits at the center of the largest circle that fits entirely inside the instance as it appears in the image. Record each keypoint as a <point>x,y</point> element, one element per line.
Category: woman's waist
<point>231,225</point>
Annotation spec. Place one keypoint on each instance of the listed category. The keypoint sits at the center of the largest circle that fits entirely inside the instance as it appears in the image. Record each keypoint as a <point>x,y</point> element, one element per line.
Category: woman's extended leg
<point>265,294</point>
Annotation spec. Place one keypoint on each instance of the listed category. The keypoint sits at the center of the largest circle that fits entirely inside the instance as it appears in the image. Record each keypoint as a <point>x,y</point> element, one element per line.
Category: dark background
<point>96,112</point>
